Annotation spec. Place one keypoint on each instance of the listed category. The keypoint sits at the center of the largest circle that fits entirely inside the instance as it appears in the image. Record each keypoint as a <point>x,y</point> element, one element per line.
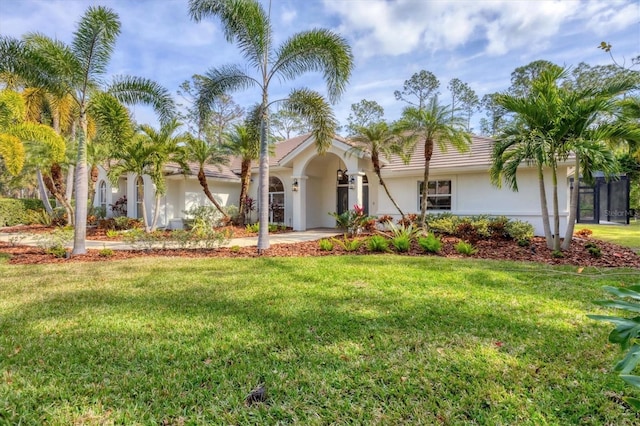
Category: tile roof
<point>211,171</point>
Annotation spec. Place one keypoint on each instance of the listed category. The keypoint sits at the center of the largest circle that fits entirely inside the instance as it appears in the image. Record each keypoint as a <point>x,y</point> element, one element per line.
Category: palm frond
<point>138,90</point>
<point>94,41</point>
<point>311,106</point>
<point>245,23</point>
<point>318,50</point>
<point>12,152</point>
<point>219,81</point>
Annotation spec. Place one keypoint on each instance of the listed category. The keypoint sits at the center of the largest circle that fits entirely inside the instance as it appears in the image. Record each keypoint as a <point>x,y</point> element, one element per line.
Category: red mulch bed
<point>612,254</point>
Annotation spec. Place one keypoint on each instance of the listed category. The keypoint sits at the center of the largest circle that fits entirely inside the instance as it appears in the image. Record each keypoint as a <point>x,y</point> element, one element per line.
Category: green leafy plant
<point>593,249</point>
<point>105,252</point>
<point>377,243</point>
<point>626,333</point>
<point>112,233</point>
<point>402,243</point>
<point>557,254</point>
<point>252,228</point>
<point>519,230</point>
<point>348,244</point>
<point>430,243</point>
<point>353,222</point>
<point>39,217</point>
<point>235,249</point>
<point>325,245</point>
<point>465,248</point>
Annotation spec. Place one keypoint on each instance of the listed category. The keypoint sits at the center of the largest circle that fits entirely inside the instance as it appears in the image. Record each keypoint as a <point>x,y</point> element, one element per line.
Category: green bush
<point>444,224</point>
<point>377,243</point>
<point>55,242</point>
<point>465,248</point>
<point>13,211</point>
<point>430,243</point>
<point>519,230</point>
<point>402,243</point>
<point>38,217</point>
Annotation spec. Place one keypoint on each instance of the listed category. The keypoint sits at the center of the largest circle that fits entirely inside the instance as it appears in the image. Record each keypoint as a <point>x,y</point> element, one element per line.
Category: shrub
<point>467,231</point>
<point>498,227</point>
<point>105,252</point>
<point>13,211</point>
<point>382,220</point>
<point>119,208</point>
<point>112,233</point>
<point>39,217</point>
<point>595,252</point>
<point>402,243</point>
<point>408,220</point>
<point>519,230</point>
<point>557,254</point>
<point>348,244</point>
<point>465,248</point>
<point>205,215</point>
<point>377,243</point>
<point>252,227</point>
<point>430,243</point>
<point>445,224</point>
<point>325,245</point>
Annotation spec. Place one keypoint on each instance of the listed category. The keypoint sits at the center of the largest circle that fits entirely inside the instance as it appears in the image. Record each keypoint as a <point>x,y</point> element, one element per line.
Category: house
<point>304,186</point>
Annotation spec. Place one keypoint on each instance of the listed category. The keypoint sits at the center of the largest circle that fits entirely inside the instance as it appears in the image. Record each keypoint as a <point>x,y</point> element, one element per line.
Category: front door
<point>342,193</point>
<point>276,200</point>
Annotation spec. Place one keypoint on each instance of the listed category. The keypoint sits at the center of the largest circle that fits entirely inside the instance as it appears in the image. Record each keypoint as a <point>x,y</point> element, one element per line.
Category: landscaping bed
<point>611,255</point>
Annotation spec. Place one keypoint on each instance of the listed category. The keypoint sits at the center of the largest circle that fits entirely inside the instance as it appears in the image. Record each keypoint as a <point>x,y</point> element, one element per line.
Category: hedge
<point>13,211</point>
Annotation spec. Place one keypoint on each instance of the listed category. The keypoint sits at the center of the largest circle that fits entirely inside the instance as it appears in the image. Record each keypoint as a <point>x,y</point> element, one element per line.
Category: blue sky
<point>479,42</point>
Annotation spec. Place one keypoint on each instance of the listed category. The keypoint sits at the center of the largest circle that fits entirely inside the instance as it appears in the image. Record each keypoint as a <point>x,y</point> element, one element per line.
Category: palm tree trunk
<point>145,221</point>
<point>55,185</point>
<point>544,209</point>
<point>556,213</point>
<point>263,181</point>
<point>156,213</point>
<point>573,207</point>
<point>376,169</point>
<point>43,192</point>
<point>428,153</point>
<point>69,193</point>
<point>245,178</point>
<point>82,188</point>
<point>202,178</point>
<point>92,184</point>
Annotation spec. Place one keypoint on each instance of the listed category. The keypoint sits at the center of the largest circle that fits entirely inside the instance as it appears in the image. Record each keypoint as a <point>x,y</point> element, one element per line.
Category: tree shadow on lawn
<point>171,349</point>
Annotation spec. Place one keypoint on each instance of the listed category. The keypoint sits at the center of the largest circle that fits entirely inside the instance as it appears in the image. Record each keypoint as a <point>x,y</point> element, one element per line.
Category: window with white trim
<point>438,195</point>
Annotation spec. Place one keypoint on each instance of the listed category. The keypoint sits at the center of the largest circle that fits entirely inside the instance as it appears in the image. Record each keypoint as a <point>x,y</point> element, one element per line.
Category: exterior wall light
<point>295,186</point>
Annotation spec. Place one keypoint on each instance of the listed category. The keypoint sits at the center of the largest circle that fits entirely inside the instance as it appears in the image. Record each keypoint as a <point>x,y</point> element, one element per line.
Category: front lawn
<point>624,235</point>
<point>337,340</point>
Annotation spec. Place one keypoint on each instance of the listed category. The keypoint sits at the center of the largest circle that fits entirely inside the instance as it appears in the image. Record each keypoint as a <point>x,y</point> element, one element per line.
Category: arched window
<point>139,196</point>
<point>276,200</point>
<point>102,195</point>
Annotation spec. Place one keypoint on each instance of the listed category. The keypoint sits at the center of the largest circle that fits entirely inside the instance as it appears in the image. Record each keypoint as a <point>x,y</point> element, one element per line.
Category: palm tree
<point>245,143</point>
<point>246,23</point>
<point>147,153</point>
<point>434,123</point>
<point>379,140</point>
<point>15,132</point>
<point>201,152</point>
<point>78,70</point>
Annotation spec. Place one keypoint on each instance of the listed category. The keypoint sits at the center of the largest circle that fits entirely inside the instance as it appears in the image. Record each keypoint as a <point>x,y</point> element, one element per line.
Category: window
<point>102,198</point>
<point>139,196</point>
<point>276,200</point>
<point>438,195</point>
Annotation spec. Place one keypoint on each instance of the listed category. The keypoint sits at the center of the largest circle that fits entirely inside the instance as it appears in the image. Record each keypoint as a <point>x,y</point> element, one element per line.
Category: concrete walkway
<point>284,238</point>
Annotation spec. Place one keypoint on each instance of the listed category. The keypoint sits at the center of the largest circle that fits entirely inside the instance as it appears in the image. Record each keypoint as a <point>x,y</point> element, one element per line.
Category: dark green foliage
<point>465,248</point>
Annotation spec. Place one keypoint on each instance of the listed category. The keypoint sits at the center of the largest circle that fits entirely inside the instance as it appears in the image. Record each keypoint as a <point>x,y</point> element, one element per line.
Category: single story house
<point>305,186</point>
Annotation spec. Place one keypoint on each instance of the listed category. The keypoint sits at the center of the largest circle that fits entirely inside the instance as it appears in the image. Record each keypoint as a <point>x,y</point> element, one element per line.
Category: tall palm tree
<point>434,123</point>
<point>201,152</point>
<point>379,140</point>
<point>246,23</point>
<point>79,69</point>
<point>245,143</point>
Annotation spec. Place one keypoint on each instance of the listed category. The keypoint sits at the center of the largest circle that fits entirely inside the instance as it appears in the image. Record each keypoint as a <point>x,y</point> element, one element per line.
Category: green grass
<point>338,340</point>
<point>625,235</point>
